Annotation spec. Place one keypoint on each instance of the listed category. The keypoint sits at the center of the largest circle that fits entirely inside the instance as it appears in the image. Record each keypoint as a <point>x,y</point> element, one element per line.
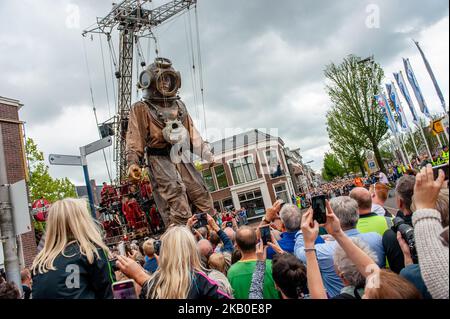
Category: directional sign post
<point>68,160</point>
<point>74,160</point>
<point>84,151</point>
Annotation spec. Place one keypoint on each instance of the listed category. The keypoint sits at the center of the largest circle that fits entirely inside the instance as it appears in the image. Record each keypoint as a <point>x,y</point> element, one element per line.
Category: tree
<point>41,184</point>
<point>352,86</point>
<point>343,137</point>
<point>332,168</point>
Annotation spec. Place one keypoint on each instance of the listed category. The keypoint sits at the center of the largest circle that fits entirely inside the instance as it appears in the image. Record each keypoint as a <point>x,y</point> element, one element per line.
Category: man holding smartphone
<point>240,274</point>
<point>290,217</point>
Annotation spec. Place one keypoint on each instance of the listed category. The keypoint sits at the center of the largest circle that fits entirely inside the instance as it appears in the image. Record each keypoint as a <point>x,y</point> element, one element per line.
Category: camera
<point>202,220</point>
<point>407,233</point>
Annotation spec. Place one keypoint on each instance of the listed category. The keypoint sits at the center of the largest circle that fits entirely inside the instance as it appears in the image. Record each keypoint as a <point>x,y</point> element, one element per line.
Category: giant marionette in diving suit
<point>160,128</point>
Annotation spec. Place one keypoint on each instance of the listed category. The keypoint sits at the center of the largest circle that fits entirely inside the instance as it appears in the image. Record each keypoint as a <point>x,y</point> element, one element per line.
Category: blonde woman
<point>74,261</point>
<point>179,275</point>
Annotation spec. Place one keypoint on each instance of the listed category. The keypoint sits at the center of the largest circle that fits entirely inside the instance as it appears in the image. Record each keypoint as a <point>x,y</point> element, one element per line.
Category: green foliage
<point>355,123</point>
<point>41,184</point>
<point>332,168</point>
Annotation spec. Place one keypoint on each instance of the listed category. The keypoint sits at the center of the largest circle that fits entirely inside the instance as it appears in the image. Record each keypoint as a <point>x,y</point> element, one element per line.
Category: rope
<point>199,52</point>
<point>112,65</point>
<point>107,90</point>
<point>104,75</point>
<point>113,68</point>
<point>93,103</point>
<point>192,70</point>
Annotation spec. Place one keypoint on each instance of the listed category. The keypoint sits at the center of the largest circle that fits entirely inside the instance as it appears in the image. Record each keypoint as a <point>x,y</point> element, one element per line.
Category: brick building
<point>14,151</point>
<point>251,171</point>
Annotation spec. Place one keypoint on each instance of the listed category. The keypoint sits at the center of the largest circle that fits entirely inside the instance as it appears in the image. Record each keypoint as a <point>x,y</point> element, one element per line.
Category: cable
<point>113,85</point>
<point>112,63</point>
<point>192,69</point>
<point>104,75</point>
<point>199,52</point>
<point>93,104</point>
<point>107,91</point>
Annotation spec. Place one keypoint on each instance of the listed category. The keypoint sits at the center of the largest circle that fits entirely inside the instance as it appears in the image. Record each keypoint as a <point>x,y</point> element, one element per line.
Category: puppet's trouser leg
<point>173,204</point>
<point>195,188</point>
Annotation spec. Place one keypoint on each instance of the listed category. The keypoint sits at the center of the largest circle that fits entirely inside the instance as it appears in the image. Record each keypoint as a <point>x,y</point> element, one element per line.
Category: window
<point>253,202</point>
<point>227,203</point>
<point>209,181</point>
<point>273,163</point>
<point>281,192</point>
<point>221,177</point>
<point>243,170</point>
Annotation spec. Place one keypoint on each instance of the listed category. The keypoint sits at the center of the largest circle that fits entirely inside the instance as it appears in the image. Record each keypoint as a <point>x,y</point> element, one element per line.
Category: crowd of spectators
<point>362,251</point>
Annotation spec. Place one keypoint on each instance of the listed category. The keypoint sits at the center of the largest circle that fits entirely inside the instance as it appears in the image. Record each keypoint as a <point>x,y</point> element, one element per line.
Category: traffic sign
<point>21,212</point>
<point>70,160</point>
<point>97,145</point>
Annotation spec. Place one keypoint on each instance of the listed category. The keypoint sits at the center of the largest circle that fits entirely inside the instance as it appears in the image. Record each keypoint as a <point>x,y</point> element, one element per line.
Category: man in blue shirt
<point>346,209</point>
<point>290,216</point>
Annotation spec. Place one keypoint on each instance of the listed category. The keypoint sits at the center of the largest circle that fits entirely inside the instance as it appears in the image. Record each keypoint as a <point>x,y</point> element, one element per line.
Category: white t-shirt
<point>379,210</point>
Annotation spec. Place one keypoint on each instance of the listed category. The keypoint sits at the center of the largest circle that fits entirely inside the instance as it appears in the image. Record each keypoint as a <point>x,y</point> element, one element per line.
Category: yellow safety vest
<point>445,156</point>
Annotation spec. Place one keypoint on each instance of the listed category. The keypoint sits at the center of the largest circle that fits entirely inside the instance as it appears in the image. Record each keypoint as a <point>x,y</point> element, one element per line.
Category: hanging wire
<point>199,53</point>
<point>104,75</point>
<point>113,67</point>
<point>107,92</point>
<point>113,80</point>
<point>93,103</point>
<point>136,64</point>
<point>192,68</point>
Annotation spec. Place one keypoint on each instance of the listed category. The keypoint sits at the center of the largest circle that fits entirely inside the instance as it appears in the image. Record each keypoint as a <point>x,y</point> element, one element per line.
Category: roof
<point>8,101</point>
<point>240,140</point>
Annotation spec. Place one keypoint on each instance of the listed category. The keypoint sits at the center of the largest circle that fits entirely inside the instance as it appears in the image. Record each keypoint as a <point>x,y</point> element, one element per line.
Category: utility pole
<point>7,233</point>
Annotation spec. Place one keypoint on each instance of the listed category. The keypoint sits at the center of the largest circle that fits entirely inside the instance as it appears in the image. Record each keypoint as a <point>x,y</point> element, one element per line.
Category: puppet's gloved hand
<point>134,173</point>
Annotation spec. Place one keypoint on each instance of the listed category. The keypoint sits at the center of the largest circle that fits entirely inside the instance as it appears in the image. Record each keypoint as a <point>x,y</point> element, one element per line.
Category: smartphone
<point>229,224</point>
<point>319,209</point>
<point>157,246</point>
<point>202,220</point>
<point>124,290</point>
<point>265,234</point>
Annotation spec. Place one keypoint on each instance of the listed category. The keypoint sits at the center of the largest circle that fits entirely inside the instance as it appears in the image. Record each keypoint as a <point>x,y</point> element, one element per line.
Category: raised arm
<point>432,254</point>
<point>310,230</point>
<point>366,266</point>
<point>257,285</point>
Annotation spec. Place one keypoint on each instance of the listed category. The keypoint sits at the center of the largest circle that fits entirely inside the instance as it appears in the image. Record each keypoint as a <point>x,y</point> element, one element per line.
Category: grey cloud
<point>254,52</point>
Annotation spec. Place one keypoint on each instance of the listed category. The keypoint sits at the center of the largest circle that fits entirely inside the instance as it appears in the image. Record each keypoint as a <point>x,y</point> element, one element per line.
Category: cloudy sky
<point>263,64</point>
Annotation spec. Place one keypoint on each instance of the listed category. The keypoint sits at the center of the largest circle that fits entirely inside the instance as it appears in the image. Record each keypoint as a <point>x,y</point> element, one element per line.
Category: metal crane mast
<point>130,18</point>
